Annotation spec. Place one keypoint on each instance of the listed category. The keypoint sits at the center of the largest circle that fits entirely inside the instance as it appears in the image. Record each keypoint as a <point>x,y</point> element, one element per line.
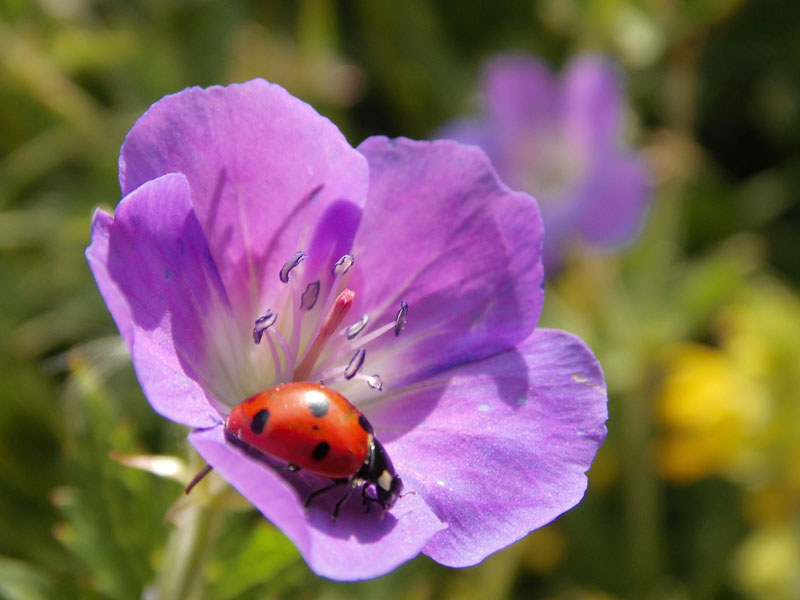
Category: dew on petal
<point>375,382</point>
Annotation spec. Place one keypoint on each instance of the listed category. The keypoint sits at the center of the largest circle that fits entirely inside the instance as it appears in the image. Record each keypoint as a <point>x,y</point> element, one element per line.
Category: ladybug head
<point>378,472</point>
<point>386,497</point>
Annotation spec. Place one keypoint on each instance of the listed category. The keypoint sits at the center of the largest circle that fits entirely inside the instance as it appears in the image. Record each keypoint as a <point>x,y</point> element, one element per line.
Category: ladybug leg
<point>365,500</point>
<point>336,508</point>
<point>320,491</point>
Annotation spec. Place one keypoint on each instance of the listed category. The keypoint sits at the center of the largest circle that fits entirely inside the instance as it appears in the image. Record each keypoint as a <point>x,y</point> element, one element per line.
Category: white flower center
<point>308,337</point>
<point>547,165</point>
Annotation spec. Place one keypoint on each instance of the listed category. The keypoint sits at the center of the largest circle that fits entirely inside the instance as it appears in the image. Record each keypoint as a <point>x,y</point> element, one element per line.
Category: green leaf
<point>265,554</point>
<point>21,581</point>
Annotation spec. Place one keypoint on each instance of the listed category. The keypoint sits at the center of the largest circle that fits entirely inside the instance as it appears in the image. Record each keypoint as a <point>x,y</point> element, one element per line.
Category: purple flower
<point>490,423</point>
<point>559,140</point>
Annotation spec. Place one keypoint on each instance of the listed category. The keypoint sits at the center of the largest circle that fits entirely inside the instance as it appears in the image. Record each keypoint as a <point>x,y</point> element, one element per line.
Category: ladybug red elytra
<point>315,428</point>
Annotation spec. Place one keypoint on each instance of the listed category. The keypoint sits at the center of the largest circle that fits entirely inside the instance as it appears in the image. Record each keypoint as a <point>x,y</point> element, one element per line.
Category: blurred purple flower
<point>490,422</point>
<point>559,140</point>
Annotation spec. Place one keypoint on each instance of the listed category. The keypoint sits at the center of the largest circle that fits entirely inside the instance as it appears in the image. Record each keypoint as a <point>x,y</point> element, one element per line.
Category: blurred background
<point>696,493</point>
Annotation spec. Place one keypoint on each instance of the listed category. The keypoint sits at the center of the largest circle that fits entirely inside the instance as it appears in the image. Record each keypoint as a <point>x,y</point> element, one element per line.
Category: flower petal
<point>499,447</point>
<point>470,131</point>
<point>592,103</point>
<point>613,210</point>
<point>152,265</point>
<point>261,165</point>
<point>520,92</point>
<point>441,232</point>
<point>355,546</point>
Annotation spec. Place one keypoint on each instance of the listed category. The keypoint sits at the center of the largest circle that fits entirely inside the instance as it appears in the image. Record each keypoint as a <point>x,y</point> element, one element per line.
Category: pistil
<point>330,325</point>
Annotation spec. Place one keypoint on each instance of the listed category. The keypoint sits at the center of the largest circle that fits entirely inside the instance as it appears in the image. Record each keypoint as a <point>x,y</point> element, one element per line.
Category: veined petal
<point>152,265</point>
<point>262,166</point>
<point>500,447</point>
<point>442,233</point>
<point>355,546</point>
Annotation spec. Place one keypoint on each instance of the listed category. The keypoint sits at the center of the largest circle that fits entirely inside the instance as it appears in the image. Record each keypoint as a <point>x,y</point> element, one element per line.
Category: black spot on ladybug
<point>314,428</point>
<point>318,404</point>
<point>321,451</point>
<point>259,421</point>
<point>365,425</point>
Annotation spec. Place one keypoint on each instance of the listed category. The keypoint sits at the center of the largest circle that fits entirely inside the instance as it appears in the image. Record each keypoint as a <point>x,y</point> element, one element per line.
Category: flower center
<point>547,165</point>
<point>314,345</point>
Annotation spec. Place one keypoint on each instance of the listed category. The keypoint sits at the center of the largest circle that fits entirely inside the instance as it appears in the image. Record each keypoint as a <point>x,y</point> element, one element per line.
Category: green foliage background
<point>714,89</point>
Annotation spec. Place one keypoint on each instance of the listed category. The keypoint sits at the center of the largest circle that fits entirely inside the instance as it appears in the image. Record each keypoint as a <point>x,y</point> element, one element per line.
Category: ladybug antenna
<point>196,479</point>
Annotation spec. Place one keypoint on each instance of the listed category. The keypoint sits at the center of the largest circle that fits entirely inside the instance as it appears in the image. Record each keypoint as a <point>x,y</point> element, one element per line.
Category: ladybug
<point>315,428</point>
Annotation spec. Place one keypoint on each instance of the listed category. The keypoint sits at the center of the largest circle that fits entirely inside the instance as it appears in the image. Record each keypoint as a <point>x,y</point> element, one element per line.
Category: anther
<point>400,319</point>
<point>309,298</point>
<point>343,265</point>
<point>263,323</point>
<point>355,363</point>
<point>356,327</point>
<point>291,264</point>
<point>330,325</point>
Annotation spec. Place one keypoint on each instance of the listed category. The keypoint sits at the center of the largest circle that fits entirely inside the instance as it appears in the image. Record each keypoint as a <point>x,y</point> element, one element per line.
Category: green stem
<point>189,546</point>
<point>641,495</point>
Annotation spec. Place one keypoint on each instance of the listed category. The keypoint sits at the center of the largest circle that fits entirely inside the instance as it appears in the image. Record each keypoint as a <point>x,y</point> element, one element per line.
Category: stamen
<point>355,363</point>
<point>335,373</point>
<point>375,334</point>
<point>343,265</point>
<point>397,326</point>
<point>329,326</point>
<point>356,327</point>
<point>400,319</point>
<point>276,360</point>
<point>263,323</point>
<point>309,298</point>
<point>291,264</point>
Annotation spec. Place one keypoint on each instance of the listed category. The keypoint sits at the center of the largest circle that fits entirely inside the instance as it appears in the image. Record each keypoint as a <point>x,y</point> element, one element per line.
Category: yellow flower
<point>708,410</point>
<point>765,565</point>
